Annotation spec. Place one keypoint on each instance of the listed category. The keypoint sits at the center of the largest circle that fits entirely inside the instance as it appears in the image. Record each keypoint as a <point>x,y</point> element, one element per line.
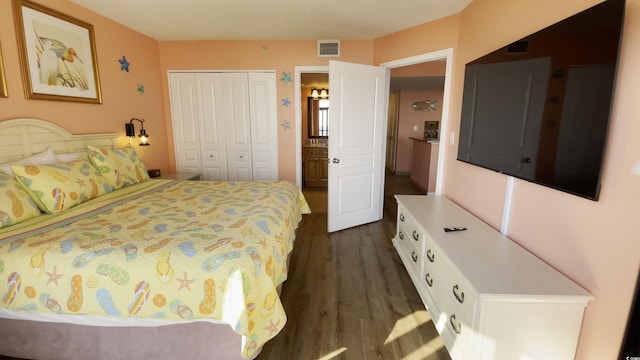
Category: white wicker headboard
<point>24,137</point>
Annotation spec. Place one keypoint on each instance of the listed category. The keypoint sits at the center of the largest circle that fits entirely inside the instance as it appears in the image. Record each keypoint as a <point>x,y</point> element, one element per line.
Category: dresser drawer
<point>410,228</point>
<point>312,152</point>
<point>458,335</point>
<point>447,286</point>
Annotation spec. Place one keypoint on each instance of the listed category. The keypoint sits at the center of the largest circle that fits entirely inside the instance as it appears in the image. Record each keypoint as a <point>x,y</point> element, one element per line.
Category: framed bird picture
<point>3,81</point>
<point>57,55</point>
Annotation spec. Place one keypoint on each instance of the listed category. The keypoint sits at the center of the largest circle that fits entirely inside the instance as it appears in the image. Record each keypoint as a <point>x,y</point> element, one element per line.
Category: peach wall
<point>594,243</point>
<point>121,100</point>
<point>408,118</point>
<point>281,56</point>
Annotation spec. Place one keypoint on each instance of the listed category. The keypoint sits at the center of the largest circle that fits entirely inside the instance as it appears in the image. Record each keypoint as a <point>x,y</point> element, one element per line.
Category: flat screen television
<point>538,109</point>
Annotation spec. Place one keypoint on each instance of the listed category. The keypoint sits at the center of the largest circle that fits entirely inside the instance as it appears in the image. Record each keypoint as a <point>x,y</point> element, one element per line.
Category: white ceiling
<point>271,19</point>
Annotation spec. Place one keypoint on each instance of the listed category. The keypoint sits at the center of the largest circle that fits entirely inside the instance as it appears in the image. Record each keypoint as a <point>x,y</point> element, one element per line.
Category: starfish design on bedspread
<point>273,328</point>
<point>186,282</point>
<point>54,276</point>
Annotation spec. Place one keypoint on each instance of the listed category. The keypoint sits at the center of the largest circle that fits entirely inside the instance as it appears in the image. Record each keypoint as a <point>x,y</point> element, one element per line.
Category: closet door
<point>238,126</point>
<point>264,125</point>
<point>213,145</point>
<point>184,117</point>
<point>198,125</point>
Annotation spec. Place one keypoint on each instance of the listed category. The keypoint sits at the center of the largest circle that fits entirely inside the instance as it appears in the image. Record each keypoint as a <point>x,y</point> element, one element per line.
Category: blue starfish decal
<point>124,64</point>
<point>286,125</point>
<point>286,102</point>
<point>140,89</point>
<point>286,77</point>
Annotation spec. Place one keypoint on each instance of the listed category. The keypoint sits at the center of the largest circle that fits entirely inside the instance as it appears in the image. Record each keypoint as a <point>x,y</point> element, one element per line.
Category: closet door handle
<point>336,160</point>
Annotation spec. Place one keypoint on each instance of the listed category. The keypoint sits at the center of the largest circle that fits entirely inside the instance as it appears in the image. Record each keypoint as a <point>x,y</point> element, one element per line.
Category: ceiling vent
<point>328,48</point>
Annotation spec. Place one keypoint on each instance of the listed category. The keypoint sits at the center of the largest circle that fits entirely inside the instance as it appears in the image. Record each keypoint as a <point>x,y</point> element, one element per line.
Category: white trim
<point>445,54</point>
<point>506,212</point>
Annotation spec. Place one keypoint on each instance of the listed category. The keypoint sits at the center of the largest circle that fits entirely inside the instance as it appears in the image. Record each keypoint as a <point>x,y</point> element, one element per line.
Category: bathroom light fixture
<point>321,93</point>
<point>131,131</point>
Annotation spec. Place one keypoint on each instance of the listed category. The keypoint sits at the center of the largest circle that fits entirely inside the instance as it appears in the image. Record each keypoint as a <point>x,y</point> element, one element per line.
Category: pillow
<point>120,167</point>
<point>43,158</point>
<point>61,186</point>
<point>15,204</point>
<point>69,157</point>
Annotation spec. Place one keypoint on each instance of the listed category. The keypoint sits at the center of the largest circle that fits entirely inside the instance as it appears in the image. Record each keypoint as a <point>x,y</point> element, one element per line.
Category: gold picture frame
<point>57,55</point>
<point>3,80</point>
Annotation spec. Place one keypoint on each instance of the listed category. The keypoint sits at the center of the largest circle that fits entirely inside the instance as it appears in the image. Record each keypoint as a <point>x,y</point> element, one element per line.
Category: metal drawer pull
<point>401,235</point>
<point>459,297</point>
<point>428,279</point>
<point>456,327</point>
<point>416,236</point>
<point>414,256</point>
<point>431,256</point>
<point>402,217</point>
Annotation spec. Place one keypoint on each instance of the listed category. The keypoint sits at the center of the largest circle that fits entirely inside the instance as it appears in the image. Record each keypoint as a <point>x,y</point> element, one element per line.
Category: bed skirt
<point>41,340</point>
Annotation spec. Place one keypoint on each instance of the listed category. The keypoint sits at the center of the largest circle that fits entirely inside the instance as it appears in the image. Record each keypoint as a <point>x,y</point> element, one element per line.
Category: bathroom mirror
<point>318,117</point>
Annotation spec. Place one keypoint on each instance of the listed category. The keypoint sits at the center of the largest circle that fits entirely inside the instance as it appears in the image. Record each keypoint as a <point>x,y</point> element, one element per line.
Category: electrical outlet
<point>415,127</point>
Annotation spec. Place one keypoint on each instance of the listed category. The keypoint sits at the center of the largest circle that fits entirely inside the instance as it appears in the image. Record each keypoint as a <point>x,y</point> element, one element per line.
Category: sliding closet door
<point>184,115</point>
<point>264,125</point>
<point>238,126</point>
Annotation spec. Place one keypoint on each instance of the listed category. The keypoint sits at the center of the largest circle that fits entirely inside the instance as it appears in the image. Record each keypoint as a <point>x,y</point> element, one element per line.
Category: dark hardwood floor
<point>348,295</point>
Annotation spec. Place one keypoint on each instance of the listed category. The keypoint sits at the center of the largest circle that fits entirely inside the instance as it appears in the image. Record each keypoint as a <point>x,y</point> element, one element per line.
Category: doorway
<point>441,56</point>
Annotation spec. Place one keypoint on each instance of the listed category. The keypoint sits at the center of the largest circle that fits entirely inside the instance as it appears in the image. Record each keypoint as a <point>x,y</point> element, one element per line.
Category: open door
<point>358,112</point>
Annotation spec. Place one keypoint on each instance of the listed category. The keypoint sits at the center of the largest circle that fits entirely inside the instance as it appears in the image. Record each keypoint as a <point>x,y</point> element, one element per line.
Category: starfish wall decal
<point>124,64</point>
<point>286,77</point>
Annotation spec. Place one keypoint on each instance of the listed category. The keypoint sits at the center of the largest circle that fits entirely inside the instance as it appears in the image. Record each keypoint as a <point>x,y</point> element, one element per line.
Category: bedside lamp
<point>131,131</point>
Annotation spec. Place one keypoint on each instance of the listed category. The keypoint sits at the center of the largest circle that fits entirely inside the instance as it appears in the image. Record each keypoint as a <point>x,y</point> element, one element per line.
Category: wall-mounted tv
<point>538,109</point>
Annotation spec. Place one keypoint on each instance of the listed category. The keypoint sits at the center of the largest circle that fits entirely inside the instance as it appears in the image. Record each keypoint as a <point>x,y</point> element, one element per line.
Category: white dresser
<point>489,298</point>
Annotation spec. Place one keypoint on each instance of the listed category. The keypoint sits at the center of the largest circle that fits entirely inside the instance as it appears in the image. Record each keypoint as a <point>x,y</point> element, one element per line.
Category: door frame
<point>445,137</point>
<point>445,54</point>
<point>299,70</point>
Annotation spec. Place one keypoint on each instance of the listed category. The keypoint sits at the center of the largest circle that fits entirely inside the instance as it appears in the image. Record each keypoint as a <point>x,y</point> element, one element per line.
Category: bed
<point>151,269</point>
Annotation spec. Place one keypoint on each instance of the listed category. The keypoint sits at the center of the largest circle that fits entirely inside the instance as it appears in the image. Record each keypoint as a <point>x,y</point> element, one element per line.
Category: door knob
<point>336,161</point>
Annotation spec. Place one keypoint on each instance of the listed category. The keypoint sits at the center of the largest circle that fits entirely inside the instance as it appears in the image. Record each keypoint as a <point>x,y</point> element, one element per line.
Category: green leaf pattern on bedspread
<point>194,250</point>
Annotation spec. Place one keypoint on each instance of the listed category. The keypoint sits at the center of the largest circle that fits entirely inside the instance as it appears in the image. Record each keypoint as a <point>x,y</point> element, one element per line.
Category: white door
<point>238,126</point>
<point>264,125</point>
<point>198,129</point>
<point>359,100</point>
